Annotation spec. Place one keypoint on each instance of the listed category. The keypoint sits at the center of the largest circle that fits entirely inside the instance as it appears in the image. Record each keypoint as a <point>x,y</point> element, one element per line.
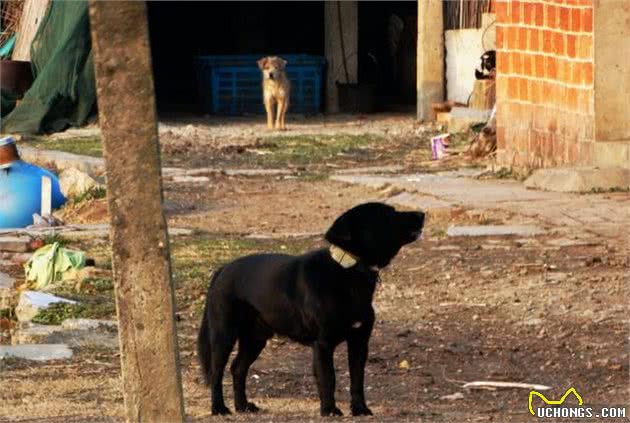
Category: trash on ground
<point>439,145</point>
<point>53,263</point>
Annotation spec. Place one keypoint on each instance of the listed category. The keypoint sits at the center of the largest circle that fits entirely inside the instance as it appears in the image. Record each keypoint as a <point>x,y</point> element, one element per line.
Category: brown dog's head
<point>272,67</point>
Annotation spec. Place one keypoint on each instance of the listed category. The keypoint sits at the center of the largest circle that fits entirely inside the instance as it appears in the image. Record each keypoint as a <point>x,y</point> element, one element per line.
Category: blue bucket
<point>20,193</point>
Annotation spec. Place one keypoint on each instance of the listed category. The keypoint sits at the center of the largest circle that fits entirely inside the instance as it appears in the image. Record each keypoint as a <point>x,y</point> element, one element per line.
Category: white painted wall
<point>464,48</point>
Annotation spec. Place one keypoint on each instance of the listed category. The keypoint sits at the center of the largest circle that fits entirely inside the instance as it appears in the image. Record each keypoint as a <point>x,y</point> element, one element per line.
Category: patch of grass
<point>99,284</point>
<point>94,193</point>
<point>52,238</point>
<point>86,146</point>
<point>56,313</point>
<point>609,190</point>
<point>306,149</point>
<point>95,300</point>
<point>195,258</point>
<point>438,233</point>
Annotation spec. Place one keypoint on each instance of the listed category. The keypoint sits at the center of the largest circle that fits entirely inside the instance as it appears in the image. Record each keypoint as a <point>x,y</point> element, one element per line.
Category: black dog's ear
<point>340,231</point>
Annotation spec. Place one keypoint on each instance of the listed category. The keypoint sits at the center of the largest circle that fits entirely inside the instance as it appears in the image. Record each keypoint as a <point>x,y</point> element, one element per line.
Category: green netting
<point>64,91</point>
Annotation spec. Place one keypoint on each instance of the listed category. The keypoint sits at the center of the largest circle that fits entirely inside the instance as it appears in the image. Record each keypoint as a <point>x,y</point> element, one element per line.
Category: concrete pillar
<point>612,69</point>
<point>430,51</point>
<point>333,47</point>
<point>140,247</point>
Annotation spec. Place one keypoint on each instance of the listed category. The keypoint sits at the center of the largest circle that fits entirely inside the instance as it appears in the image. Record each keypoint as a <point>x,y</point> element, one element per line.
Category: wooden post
<point>140,246</point>
<point>32,15</point>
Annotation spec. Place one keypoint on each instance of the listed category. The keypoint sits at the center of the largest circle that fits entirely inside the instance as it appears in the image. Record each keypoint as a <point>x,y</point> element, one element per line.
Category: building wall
<point>545,82</point>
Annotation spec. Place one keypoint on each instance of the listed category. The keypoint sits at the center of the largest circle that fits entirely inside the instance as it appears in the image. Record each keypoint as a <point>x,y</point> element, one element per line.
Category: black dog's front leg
<point>357,356</point>
<point>324,370</point>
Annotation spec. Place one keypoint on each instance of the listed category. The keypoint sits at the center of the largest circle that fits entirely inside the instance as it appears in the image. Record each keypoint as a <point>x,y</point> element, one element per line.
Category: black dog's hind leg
<point>249,348</point>
<point>222,341</point>
<point>324,370</point>
<point>357,356</point>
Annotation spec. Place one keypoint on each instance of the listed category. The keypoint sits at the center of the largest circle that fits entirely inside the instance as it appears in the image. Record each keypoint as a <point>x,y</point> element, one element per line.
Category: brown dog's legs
<point>285,106</point>
<point>280,113</point>
<point>269,109</point>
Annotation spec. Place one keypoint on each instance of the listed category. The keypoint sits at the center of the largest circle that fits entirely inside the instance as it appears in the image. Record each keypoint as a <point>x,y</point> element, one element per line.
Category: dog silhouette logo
<point>553,402</point>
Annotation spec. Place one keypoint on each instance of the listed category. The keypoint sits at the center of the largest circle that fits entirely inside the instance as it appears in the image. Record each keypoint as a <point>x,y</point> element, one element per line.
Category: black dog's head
<point>375,232</point>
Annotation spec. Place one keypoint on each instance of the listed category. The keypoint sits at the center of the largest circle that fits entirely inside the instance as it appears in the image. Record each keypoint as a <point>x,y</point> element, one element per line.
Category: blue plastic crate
<point>231,85</point>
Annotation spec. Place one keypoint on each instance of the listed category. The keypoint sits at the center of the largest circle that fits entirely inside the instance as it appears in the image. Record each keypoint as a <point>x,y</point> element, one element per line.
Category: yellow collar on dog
<point>341,256</point>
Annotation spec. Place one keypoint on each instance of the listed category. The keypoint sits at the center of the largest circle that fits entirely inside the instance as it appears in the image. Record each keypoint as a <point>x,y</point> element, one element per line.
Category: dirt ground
<point>549,309</point>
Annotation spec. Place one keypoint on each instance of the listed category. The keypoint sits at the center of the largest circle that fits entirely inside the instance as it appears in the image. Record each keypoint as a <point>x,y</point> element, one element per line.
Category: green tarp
<point>64,91</point>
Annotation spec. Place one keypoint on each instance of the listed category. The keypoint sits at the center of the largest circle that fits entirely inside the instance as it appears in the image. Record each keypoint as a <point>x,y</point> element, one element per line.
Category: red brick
<point>512,33</point>
<point>512,89</point>
<point>550,15</point>
<point>576,73</point>
<point>528,13</point>
<point>539,14</point>
<point>558,43</point>
<point>499,37</point>
<point>587,73</point>
<point>523,34</point>
<point>534,91</point>
<point>503,62</point>
<point>551,65</point>
<point>572,98</point>
<point>585,47</point>
<point>586,3</point>
<point>517,63</point>
<point>528,67</point>
<point>583,101</point>
<point>502,87</point>
<point>575,20</point>
<point>515,11</point>
<point>548,41</point>
<point>562,64</point>
<point>523,90</point>
<point>539,62</point>
<point>565,19</point>
<point>571,45</point>
<point>587,20</point>
<point>565,76</point>
<point>502,11</point>
<point>534,43</point>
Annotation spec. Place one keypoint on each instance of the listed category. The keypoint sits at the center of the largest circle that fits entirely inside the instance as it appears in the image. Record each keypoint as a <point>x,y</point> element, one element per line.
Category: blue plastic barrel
<point>20,193</point>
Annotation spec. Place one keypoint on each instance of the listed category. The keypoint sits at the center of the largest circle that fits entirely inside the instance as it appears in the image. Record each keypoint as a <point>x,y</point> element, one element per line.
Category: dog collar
<point>341,256</point>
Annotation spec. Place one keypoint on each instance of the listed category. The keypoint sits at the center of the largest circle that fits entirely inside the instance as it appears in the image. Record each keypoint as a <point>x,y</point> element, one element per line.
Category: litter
<point>439,145</point>
<point>53,263</point>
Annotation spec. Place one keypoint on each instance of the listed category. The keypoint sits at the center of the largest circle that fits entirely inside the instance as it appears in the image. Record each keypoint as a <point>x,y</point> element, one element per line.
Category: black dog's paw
<point>250,407</point>
<point>220,410</point>
<point>333,411</point>
<point>361,410</point>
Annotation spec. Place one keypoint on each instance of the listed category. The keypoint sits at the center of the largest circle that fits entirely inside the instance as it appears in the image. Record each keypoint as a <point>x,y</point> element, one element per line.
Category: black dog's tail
<point>203,340</point>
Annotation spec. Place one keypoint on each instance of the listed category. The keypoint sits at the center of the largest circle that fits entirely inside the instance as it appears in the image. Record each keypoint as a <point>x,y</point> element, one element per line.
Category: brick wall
<point>545,97</point>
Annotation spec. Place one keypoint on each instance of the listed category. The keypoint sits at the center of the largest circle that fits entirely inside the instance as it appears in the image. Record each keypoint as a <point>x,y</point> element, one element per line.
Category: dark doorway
<point>181,30</point>
<point>387,51</point>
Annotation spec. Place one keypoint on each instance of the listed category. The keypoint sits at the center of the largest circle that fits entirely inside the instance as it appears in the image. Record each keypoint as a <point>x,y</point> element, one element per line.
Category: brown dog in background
<point>276,89</point>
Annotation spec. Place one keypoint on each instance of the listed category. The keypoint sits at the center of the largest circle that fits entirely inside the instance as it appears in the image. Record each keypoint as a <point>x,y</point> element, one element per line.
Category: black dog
<point>320,299</point>
<point>488,65</point>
